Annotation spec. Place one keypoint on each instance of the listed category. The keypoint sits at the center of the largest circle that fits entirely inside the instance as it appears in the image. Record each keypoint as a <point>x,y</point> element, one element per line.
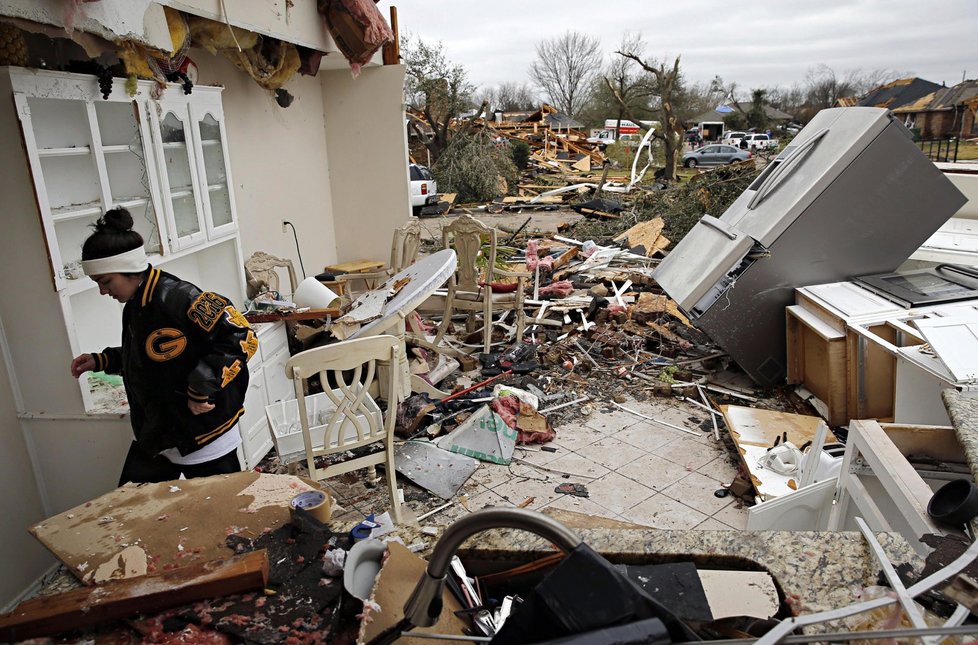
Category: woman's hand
<point>81,364</point>
<point>199,407</point>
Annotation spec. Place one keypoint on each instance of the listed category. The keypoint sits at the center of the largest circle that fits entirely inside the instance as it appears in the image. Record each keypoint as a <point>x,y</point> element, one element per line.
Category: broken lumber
<point>91,606</point>
<point>593,212</point>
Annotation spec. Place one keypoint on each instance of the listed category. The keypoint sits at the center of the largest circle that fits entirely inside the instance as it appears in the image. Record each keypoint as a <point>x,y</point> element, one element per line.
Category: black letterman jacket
<point>178,344</point>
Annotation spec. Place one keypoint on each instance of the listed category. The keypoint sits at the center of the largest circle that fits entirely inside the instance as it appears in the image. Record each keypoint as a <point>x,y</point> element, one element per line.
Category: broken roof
<point>897,93</point>
<point>944,99</point>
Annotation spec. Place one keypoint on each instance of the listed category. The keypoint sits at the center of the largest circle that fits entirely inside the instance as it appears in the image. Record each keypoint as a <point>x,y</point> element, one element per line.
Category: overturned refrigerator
<point>850,195</point>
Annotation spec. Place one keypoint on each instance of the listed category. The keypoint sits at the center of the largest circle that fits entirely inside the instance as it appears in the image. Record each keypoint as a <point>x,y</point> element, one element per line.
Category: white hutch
<point>166,160</point>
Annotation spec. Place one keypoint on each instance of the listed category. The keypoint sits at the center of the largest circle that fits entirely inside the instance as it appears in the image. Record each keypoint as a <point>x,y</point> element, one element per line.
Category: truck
<point>760,141</point>
<point>623,129</point>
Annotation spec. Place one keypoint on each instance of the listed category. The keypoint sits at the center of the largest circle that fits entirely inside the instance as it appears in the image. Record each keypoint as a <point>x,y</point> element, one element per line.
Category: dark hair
<point>113,235</point>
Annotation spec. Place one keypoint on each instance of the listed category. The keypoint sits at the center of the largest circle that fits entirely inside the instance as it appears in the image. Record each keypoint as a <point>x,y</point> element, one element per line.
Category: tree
<point>756,116</point>
<point>510,97</point>
<point>823,86</point>
<point>565,68</point>
<point>436,88</point>
<point>663,83</point>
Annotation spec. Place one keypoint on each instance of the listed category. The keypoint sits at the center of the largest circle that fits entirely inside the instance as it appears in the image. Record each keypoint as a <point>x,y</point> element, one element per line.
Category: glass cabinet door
<point>129,173</point>
<point>177,179</point>
<point>213,162</point>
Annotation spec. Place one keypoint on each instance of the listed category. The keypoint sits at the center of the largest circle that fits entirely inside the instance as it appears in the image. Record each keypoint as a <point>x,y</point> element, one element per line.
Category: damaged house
<point>210,176</point>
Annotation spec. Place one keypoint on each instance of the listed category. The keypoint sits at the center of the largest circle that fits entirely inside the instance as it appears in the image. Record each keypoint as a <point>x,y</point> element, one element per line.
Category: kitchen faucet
<point>425,603</point>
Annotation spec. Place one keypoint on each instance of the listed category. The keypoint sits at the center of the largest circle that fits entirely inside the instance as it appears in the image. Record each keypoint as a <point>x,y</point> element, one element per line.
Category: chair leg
<point>487,323</point>
<point>372,478</point>
<point>392,481</point>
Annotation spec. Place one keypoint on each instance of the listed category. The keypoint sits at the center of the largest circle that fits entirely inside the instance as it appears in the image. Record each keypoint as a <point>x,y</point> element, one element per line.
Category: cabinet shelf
<point>115,149</point>
<point>175,144</point>
<point>213,188</point>
<point>75,211</point>
<point>64,152</point>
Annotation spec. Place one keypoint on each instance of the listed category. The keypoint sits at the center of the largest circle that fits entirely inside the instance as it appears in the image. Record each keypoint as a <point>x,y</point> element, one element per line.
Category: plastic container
<point>955,503</point>
<point>283,420</point>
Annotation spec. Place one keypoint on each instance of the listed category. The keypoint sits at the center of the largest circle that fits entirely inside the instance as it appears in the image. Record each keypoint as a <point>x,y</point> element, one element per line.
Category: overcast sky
<point>751,43</point>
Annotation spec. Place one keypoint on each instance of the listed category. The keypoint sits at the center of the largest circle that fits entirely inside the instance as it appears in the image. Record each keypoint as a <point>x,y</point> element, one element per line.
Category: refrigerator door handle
<point>785,168</point>
<point>718,226</point>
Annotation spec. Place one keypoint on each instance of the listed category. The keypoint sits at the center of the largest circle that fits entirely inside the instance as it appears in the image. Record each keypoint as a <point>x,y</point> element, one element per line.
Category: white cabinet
<point>165,160</point>
<point>267,385</point>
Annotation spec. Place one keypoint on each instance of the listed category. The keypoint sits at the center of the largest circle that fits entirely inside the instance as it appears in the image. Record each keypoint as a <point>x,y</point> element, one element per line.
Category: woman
<point>183,359</point>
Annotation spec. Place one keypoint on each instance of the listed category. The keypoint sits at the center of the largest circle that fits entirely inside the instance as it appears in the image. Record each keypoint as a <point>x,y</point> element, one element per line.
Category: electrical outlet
<point>285,226</point>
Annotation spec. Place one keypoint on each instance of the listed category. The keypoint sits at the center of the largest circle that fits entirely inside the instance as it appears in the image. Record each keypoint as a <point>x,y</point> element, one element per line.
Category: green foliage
<point>681,206</point>
<point>756,117</point>
<point>521,153</point>
<point>474,167</point>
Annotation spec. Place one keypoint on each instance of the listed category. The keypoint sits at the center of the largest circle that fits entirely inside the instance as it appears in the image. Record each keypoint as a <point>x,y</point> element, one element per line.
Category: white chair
<point>351,417</point>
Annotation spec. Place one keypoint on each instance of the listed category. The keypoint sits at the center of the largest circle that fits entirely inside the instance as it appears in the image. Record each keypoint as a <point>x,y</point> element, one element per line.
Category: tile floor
<point>635,470</point>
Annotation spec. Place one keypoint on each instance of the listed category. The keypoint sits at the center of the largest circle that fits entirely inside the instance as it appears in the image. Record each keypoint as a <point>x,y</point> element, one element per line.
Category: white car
<point>424,188</point>
<point>733,138</point>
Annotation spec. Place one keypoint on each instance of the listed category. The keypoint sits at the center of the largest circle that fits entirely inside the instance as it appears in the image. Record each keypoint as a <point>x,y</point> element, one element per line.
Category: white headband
<point>133,261</point>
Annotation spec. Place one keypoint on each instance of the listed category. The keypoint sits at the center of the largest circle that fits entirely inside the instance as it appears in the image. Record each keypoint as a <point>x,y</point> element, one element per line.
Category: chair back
<point>406,245</point>
<point>261,267</point>
<point>345,415</point>
<point>465,235</point>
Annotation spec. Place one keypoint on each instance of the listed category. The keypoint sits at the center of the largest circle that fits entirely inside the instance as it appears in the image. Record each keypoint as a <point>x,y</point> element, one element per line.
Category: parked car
<point>424,188</point>
<point>714,155</point>
<point>733,138</point>
<point>760,141</point>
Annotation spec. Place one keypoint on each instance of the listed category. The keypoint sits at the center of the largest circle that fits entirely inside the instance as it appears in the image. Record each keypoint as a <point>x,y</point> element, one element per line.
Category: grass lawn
<point>967,151</point>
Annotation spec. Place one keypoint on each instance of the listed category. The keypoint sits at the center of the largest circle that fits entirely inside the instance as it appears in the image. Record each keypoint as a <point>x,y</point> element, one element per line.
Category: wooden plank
<point>584,165</point>
<point>91,606</point>
<point>566,257</point>
<point>647,234</point>
<point>274,316</point>
<point>591,212</point>
<point>355,266</point>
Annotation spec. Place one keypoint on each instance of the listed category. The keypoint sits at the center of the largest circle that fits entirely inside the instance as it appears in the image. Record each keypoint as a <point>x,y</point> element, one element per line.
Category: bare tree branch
<point>565,67</point>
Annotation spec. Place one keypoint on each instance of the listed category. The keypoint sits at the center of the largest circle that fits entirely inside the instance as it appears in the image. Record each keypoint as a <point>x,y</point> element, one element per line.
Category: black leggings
<point>140,468</point>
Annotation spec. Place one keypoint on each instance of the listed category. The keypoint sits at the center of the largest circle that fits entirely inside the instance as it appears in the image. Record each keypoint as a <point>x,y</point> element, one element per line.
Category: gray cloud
<point>751,43</point>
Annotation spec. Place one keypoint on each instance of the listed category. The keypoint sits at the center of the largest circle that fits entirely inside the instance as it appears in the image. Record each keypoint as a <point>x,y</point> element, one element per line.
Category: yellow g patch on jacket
<point>164,344</point>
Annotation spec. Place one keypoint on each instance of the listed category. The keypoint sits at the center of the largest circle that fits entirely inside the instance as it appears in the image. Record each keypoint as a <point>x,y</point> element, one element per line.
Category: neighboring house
<point>897,93</point>
<point>305,163</point>
<point>946,112</point>
<point>773,114</point>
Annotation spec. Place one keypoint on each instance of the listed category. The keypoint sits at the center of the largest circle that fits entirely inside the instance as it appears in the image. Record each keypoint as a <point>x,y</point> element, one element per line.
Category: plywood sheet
<point>141,528</point>
<point>754,431</point>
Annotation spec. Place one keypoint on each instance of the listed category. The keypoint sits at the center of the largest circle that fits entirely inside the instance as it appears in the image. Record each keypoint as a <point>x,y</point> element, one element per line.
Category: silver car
<point>714,155</point>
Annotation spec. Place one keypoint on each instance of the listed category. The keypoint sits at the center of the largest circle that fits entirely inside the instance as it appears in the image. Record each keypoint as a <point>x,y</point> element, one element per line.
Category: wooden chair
<point>260,269</point>
<point>404,252</point>
<point>465,291</point>
<point>346,416</point>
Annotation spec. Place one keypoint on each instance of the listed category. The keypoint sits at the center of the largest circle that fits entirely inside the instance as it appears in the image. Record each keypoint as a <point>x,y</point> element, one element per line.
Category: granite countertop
<point>963,411</point>
<point>816,571</point>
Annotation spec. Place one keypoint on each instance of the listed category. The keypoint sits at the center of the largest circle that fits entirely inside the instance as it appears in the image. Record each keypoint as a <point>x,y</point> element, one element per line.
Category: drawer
<point>271,339</point>
<point>278,387</point>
